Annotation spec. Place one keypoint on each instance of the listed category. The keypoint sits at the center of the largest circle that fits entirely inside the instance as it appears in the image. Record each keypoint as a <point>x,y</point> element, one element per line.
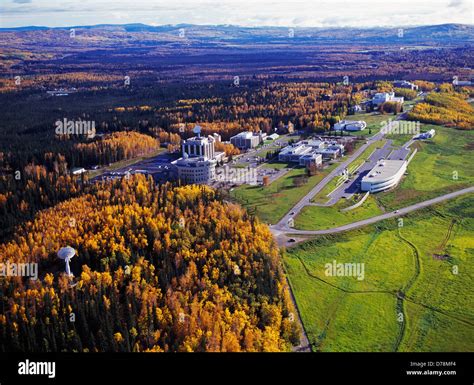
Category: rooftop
<point>383,170</point>
<point>246,134</point>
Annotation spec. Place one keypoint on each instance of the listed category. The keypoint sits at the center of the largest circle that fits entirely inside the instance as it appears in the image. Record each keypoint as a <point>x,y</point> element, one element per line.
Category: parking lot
<point>159,167</point>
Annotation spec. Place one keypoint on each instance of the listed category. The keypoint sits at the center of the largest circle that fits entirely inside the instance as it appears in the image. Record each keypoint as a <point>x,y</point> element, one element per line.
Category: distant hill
<point>422,34</point>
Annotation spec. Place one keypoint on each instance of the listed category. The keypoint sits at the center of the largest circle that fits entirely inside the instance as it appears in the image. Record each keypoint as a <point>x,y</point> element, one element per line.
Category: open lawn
<point>322,196</point>
<point>442,164</point>
<point>320,217</point>
<point>275,164</point>
<point>398,139</point>
<point>365,155</point>
<point>374,122</point>
<point>408,300</point>
<point>272,202</point>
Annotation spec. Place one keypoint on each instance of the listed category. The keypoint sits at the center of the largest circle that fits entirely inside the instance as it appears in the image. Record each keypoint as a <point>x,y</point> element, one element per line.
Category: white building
<point>350,125</point>
<point>199,161</point>
<point>386,174</point>
<point>78,170</point>
<point>302,151</point>
<point>405,84</point>
<point>329,153</point>
<point>197,170</point>
<point>427,135</point>
<point>199,147</point>
<point>294,152</point>
<point>382,97</point>
<point>247,140</point>
<point>311,159</point>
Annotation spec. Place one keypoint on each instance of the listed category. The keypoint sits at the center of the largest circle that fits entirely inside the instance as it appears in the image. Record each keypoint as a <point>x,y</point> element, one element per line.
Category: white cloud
<point>299,13</point>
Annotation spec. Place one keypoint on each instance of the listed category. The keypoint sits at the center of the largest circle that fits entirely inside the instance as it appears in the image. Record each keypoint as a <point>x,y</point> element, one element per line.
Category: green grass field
<point>275,164</point>
<point>321,218</point>
<point>374,122</point>
<point>365,155</point>
<point>401,277</point>
<point>442,164</point>
<point>322,196</point>
<point>274,201</point>
<point>398,140</point>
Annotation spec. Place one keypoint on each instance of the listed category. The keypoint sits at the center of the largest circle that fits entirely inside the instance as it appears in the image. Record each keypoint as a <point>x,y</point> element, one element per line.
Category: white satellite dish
<point>67,253</point>
<point>197,130</point>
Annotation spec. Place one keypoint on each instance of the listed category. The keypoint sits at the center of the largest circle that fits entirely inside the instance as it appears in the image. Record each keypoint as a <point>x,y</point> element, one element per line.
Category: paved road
<point>306,200</point>
<point>280,232</point>
<point>351,186</point>
<point>401,152</point>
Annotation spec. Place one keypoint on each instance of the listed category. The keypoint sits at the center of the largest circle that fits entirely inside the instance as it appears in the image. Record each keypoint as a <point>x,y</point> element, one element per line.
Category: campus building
<point>350,125</point>
<point>199,161</point>
<point>307,151</point>
<point>427,135</point>
<point>311,159</point>
<point>198,170</point>
<point>199,147</point>
<point>247,140</point>
<point>332,151</point>
<point>293,153</point>
<point>382,97</point>
<point>385,174</point>
<point>405,84</point>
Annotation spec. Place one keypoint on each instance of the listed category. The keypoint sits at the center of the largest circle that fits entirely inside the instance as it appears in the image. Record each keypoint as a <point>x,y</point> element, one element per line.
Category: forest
<point>158,268</point>
<point>446,107</point>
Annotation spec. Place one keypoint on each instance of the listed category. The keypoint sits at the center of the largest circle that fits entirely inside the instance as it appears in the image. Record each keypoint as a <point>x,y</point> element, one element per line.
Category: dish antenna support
<point>66,254</point>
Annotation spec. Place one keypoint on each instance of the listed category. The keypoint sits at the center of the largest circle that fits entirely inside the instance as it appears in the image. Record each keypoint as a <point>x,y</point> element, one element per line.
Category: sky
<point>290,13</point>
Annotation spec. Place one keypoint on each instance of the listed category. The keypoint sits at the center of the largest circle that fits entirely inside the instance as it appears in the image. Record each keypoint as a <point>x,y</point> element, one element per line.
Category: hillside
<point>158,269</point>
<point>235,34</point>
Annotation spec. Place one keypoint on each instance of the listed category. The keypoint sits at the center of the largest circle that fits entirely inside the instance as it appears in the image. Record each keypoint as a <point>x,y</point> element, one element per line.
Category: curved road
<point>278,231</point>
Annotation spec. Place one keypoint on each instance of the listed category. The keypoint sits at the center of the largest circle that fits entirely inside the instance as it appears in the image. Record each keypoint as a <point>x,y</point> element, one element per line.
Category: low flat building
<point>78,170</point>
<point>302,151</point>
<point>427,135</point>
<point>314,143</point>
<point>329,153</point>
<point>385,174</point>
<point>246,140</point>
<point>311,159</point>
<point>350,125</point>
<point>293,152</point>
<point>338,147</point>
<point>405,84</point>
